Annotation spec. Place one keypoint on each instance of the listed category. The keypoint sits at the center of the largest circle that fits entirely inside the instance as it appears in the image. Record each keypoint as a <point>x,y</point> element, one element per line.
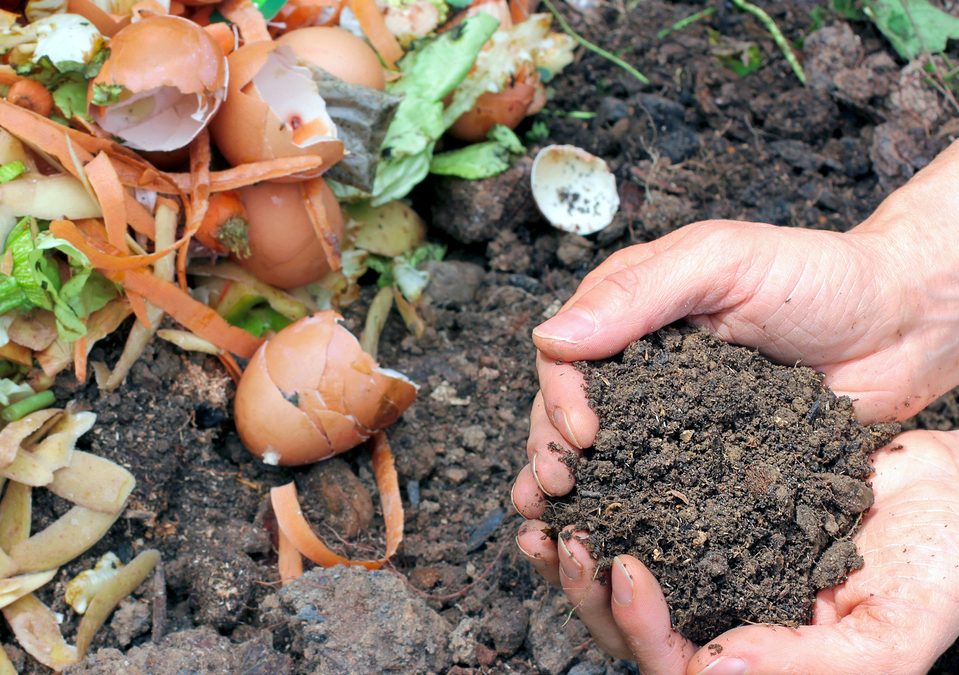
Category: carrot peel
<point>294,526</point>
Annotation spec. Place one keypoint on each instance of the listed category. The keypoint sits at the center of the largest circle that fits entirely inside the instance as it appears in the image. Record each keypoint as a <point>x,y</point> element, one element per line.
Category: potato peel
<point>37,631</point>
<point>93,482</point>
<point>294,526</point>
<point>14,588</point>
<point>15,433</point>
<point>63,540</point>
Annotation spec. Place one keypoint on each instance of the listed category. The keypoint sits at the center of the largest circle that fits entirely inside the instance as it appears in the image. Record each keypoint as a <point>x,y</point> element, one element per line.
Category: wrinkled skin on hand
<point>875,309</point>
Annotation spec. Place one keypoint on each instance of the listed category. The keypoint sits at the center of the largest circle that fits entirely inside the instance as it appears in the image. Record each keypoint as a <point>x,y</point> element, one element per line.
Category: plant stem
<point>596,49</point>
<point>776,34</point>
<point>688,21</point>
<point>15,411</point>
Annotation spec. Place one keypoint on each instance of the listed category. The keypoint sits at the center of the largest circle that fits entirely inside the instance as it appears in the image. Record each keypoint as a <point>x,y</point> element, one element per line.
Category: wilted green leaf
<point>913,27</point>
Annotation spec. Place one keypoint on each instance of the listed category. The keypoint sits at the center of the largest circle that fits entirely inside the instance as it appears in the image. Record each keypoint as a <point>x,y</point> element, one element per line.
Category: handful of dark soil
<point>737,481</point>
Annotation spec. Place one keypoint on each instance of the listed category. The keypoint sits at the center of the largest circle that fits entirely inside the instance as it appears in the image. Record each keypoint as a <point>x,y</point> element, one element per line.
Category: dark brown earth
<point>698,142</point>
<point>737,481</point>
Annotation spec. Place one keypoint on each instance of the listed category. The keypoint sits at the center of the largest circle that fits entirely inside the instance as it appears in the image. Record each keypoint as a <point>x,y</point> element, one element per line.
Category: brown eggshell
<point>285,250</point>
<point>284,385</point>
<point>246,130</point>
<point>268,423</point>
<point>338,52</point>
<point>164,51</point>
<point>507,107</point>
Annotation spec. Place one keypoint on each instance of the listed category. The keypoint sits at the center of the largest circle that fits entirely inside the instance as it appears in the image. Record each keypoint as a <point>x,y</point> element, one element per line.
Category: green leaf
<point>86,292</point>
<point>474,162</point>
<point>11,295</point>
<point>47,242</point>
<point>12,170</point>
<point>913,27</point>
<point>106,94</point>
<point>28,268</point>
<point>480,160</point>
<point>538,132</point>
<point>848,9</point>
<point>429,74</point>
<point>71,100</point>
<point>746,63</point>
<point>383,267</point>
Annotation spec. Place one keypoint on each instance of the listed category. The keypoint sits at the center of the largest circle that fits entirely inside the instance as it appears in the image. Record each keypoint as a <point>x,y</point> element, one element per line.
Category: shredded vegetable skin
<point>223,36</point>
<point>289,559</point>
<point>101,254</point>
<point>248,19</point>
<point>196,316</point>
<point>199,201</point>
<point>294,526</point>
<point>110,194</point>
<point>374,27</point>
<point>103,21</point>
<point>31,95</point>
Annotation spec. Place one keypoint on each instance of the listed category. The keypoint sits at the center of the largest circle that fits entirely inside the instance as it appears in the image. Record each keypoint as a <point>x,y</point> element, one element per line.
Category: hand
<point>875,309</point>
<point>894,615</point>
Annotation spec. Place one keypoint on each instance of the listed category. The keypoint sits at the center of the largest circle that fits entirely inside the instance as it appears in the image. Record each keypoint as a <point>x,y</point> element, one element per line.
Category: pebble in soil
<point>737,481</point>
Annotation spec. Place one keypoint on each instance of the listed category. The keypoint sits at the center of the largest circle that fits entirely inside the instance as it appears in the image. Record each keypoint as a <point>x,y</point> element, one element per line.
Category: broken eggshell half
<point>168,77</point>
<point>310,392</point>
<point>274,109</point>
<point>574,190</point>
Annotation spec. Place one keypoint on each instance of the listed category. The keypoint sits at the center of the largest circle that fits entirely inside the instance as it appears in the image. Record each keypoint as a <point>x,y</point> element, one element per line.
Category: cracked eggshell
<point>273,109</point>
<point>285,235</point>
<point>338,52</point>
<point>174,78</point>
<point>574,190</point>
<point>311,392</point>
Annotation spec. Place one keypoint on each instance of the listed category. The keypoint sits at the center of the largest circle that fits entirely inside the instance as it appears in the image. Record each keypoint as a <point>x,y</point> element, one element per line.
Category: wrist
<point>914,238</point>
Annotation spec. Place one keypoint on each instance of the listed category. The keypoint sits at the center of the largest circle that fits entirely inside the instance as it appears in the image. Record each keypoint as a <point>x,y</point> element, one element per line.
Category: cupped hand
<point>894,615</point>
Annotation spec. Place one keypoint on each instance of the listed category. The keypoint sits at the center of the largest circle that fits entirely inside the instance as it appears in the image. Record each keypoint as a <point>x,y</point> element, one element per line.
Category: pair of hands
<point>877,311</point>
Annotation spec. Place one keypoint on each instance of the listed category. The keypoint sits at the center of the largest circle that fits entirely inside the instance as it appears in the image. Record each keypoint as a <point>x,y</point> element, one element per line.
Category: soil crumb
<point>737,481</point>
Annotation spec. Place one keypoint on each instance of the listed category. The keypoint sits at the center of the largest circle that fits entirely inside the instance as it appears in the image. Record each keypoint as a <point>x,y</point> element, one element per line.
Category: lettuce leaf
<point>429,74</point>
<point>11,170</point>
<point>36,280</point>
<point>480,160</point>
<point>914,27</point>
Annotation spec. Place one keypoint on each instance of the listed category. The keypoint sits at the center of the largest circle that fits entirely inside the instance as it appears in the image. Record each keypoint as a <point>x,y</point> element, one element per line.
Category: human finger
<point>699,275</point>
<point>565,405</point>
<point>588,595</point>
<point>640,612</point>
<point>862,642</point>
<point>527,497</point>
<point>539,549</point>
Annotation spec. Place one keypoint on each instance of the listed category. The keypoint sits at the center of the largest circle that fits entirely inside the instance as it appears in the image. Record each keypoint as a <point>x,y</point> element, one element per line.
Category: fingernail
<point>561,422</point>
<point>532,464</point>
<point>513,501</point>
<point>523,550</point>
<point>572,326</point>
<point>725,665</point>
<point>570,565</point>
<point>622,584</point>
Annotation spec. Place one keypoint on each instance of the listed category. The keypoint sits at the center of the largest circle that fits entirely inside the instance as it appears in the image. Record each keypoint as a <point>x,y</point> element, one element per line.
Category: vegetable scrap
<point>227,174</point>
<point>39,450</point>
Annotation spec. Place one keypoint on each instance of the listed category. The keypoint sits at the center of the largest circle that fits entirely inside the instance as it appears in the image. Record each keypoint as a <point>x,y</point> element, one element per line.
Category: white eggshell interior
<point>66,37</point>
<point>292,94</point>
<point>574,190</point>
<point>159,119</point>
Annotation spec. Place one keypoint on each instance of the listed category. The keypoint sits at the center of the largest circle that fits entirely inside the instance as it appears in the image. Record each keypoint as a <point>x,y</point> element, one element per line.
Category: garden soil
<point>737,481</point>
<point>697,142</point>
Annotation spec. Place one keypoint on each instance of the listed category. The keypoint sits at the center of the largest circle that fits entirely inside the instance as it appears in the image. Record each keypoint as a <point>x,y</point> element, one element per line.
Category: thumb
<point>857,644</point>
<point>702,273</point>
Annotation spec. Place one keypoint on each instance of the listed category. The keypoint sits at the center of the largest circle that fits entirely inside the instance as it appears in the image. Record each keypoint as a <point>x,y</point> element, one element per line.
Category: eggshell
<point>507,107</point>
<point>285,246</point>
<point>174,76</point>
<point>270,426</point>
<point>247,130</point>
<point>573,189</point>
<point>338,52</point>
<point>284,385</point>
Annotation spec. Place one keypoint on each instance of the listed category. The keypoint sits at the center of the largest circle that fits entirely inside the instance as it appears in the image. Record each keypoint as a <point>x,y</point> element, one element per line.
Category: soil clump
<point>737,481</point>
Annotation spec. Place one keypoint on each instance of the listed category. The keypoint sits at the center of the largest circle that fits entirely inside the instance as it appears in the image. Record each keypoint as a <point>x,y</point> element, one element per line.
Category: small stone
<point>425,578</point>
<point>131,620</point>
<point>341,499</point>
<point>474,437</point>
<point>453,283</point>
<point>462,641</point>
<point>457,474</point>
<point>506,625</point>
<point>553,636</point>
<point>574,250</point>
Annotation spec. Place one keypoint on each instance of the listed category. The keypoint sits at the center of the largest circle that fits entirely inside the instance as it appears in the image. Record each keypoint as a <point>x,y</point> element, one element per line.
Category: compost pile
<point>739,482</point>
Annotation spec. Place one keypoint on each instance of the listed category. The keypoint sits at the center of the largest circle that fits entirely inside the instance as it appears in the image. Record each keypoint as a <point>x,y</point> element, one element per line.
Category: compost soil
<point>739,482</point>
<point>697,142</point>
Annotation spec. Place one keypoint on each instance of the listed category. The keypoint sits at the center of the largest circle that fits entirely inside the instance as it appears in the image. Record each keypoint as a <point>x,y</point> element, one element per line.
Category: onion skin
<point>285,246</point>
<point>311,392</point>
<point>507,107</point>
